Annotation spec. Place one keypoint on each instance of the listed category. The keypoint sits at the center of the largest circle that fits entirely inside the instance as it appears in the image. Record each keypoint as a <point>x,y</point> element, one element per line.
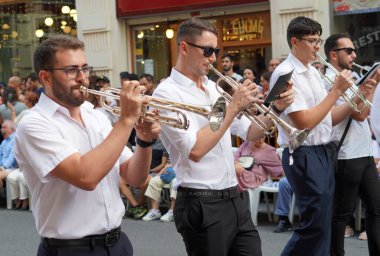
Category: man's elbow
<point>195,157</point>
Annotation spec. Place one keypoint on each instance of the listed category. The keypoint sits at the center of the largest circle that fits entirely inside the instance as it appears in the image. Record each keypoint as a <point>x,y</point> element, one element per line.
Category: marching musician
<point>72,157</point>
<point>211,216</point>
<point>310,168</point>
<point>356,173</point>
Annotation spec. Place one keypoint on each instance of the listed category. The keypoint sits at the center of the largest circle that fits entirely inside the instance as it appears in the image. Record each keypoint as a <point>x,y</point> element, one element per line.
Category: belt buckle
<point>111,239</point>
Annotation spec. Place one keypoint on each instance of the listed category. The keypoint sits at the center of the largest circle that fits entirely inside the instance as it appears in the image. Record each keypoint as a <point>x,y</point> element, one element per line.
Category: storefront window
<point>24,25</point>
<point>152,51</point>
<point>364,30</point>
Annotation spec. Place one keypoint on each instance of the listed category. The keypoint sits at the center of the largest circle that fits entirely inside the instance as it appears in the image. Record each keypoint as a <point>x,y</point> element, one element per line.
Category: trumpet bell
<point>217,114</point>
<point>298,137</point>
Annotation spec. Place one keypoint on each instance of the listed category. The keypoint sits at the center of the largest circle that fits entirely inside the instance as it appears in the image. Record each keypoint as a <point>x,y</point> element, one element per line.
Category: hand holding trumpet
<point>244,96</point>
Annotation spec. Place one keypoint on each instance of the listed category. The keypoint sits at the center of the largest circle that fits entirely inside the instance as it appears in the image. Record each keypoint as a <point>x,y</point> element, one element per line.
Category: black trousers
<point>356,177</point>
<point>217,227</point>
<point>122,247</point>
<point>311,177</point>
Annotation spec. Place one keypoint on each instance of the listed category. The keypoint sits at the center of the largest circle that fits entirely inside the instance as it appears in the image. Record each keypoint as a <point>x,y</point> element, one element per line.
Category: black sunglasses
<point>348,50</point>
<point>207,50</point>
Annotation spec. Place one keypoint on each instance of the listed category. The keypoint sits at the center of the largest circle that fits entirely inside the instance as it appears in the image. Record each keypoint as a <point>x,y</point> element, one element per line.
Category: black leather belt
<point>227,193</point>
<point>108,239</point>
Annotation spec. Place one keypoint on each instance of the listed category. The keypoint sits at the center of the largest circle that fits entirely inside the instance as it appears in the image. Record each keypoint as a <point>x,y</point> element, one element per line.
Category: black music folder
<point>371,73</point>
<point>279,87</point>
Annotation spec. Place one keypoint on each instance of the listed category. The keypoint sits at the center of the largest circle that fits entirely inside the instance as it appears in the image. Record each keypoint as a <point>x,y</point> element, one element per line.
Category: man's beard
<point>343,65</point>
<point>66,95</point>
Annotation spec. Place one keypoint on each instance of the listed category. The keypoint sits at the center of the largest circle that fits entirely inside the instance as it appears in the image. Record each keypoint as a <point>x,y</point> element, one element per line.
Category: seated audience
<point>285,193</point>
<point>154,191</point>
<point>267,164</point>
<point>7,158</point>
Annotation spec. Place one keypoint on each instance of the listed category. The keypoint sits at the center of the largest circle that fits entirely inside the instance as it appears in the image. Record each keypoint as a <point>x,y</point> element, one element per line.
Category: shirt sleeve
<point>40,146</point>
<point>375,114</point>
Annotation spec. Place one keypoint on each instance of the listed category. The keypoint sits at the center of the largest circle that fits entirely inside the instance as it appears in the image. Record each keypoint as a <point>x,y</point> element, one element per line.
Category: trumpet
<point>215,116</point>
<point>352,88</point>
<point>362,68</point>
<point>297,137</point>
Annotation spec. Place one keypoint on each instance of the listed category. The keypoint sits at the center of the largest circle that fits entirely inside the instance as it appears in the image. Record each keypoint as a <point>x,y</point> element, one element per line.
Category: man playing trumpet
<point>310,168</point>
<point>72,157</point>
<point>211,216</point>
<point>356,173</point>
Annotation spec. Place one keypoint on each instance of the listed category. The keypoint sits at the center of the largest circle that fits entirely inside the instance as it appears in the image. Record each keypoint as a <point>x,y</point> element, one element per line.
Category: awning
<point>345,7</point>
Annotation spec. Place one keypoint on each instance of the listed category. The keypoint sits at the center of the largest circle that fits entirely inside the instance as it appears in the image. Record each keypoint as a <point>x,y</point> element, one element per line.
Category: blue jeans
<point>285,193</point>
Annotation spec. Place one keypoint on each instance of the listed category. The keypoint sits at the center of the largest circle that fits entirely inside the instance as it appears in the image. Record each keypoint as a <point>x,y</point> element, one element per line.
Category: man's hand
<point>343,81</point>
<point>131,100</point>
<point>286,98</point>
<point>147,131</point>
<point>245,96</point>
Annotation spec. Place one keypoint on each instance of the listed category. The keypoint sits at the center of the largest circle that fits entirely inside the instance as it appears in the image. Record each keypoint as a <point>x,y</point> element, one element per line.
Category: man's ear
<point>45,77</point>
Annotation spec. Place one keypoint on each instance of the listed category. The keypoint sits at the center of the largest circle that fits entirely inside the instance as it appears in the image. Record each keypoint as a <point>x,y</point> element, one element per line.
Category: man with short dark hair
<point>228,65</point>
<point>73,158</point>
<point>211,216</point>
<point>356,173</point>
<point>310,167</point>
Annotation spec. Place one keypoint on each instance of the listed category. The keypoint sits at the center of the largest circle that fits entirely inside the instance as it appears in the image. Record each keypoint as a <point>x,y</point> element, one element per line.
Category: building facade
<point>139,36</point>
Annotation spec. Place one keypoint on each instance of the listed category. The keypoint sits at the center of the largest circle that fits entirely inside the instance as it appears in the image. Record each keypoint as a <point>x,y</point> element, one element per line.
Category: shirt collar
<point>183,80</point>
<point>49,107</point>
<point>298,66</point>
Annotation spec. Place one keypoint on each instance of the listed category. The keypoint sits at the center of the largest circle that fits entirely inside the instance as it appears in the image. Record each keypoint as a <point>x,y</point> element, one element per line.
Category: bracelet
<point>144,144</point>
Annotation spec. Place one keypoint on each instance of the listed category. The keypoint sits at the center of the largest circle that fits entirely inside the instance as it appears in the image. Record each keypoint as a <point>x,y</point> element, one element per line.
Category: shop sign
<point>344,7</point>
<point>245,28</point>
<point>127,8</point>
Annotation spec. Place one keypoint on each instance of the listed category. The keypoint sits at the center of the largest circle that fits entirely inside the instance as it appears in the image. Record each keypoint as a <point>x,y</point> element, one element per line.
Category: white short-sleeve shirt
<point>358,142</point>
<point>216,169</point>
<point>44,138</point>
<point>309,91</point>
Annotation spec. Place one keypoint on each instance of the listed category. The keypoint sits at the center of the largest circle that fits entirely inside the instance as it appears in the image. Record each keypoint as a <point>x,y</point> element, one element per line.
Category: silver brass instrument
<point>297,137</point>
<point>352,88</point>
<point>362,68</point>
<point>215,116</point>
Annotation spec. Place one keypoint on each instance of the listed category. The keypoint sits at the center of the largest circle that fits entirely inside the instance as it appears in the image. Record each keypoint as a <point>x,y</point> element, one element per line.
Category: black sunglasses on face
<point>348,50</point>
<point>207,50</point>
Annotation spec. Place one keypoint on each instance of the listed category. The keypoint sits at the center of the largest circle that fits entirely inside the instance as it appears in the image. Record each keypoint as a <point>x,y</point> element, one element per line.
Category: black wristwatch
<point>144,144</point>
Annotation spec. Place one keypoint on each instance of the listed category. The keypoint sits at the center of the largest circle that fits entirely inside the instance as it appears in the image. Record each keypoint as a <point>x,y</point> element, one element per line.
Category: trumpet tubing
<point>216,115</point>
<point>352,88</point>
<point>296,136</point>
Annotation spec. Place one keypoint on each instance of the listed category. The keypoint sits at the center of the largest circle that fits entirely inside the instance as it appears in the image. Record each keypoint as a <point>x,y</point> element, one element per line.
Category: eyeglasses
<point>313,41</point>
<point>73,72</point>
<point>207,50</point>
<point>348,50</point>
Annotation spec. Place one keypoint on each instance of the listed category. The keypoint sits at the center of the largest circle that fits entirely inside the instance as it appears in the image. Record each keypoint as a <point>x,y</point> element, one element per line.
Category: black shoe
<point>283,226</point>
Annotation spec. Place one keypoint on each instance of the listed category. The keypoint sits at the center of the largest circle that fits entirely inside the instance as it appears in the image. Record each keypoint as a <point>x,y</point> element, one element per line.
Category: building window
<point>152,51</point>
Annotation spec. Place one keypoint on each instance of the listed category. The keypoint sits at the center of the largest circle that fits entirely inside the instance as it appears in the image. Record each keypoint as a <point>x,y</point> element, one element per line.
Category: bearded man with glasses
<point>72,158</point>
<point>356,173</point>
<point>211,216</point>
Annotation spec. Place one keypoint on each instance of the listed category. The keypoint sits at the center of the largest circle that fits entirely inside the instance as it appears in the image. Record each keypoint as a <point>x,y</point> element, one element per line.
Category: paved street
<point>18,237</point>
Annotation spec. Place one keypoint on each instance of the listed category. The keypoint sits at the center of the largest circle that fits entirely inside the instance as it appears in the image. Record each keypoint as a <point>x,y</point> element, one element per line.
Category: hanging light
<point>49,21</point>
<point>73,12</point>
<point>65,9</point>
<point>169,33</point>
<point>63,22</point>
<point>39,33</point>
<point>14,34</point>
<point>67,29</point>
<point>140,35</point>
<point>75,17</point>
<point>5,26</point>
